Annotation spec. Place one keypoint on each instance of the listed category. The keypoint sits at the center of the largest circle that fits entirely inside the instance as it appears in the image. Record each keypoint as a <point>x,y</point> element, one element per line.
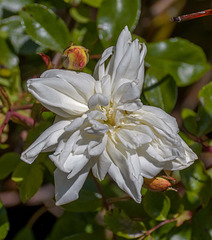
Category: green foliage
<point>120,224</point>
<point>183,60</point>
<point>24,233</point>
<point>160,90</point>
<point>113,16</point>
<point>198,183</point>
<point>88,202</point>
<point>8,163</point>
<point>44,27</point>
<point>205,111</point>
<point>4,223</point>
<point>29,179</point>
<point>156,205</point>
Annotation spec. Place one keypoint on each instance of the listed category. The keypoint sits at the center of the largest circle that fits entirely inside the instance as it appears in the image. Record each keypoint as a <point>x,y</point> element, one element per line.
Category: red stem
<point>6,120</point>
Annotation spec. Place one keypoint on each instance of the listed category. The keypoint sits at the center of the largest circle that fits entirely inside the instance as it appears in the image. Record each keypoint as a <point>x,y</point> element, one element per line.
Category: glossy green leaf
<point>93,3</point>
<point>24,233</point>
<point>29,179</point>
<point>14,5</point>
<point>15,30</point>
<point>202,224</point>
<point>197,181</point>
<point>189,121</point>
<point>160,90</point>
<point>156,205</point>
<point>204,115</point>
<point>7,57</point>
<point>113,16</point>
<point>87,202</point>
<point>183,60</point>
<point>120,224</point>
<point>44,27</point>
<point>8,163</point>
<point>4,223</point>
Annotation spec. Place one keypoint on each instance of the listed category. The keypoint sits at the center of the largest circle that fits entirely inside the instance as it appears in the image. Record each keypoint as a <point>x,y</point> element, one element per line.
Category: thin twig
<point>35,216</point>
<point>96,56</point>
<point>6,120</point>
<point>25,107</point>
<point>100,191</point>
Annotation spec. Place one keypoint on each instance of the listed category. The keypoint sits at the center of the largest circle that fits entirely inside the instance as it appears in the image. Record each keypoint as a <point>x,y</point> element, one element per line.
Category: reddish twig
<point>96,56</point>
<point>156,227</point>
<point>24,107</point>
<point>6,120</point>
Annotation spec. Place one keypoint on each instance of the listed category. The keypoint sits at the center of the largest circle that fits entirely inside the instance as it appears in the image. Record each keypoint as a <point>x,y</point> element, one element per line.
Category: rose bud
<point>157,184</point>
<point>75,57</point>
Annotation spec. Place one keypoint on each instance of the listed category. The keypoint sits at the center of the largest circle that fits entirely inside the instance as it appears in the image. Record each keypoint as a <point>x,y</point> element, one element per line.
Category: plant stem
<point>100,191</point>
<point>35,216</point>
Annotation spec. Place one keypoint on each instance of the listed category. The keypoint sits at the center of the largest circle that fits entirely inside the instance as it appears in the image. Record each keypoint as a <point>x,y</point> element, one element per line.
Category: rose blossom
<point>101,125</point>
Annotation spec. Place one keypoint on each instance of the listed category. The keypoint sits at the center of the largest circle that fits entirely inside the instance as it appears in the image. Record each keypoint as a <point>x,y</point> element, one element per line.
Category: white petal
<point>47,141</point>
<point>123,168</point>
<point>102,166</point>
<point>125,184</point>
<point>99,71</point>
<point>66,94</point>
<point>95,148</point>
<point>132,137</point>
<point>97,99</point>
<point>122,46</point>
<point>129,64</point>
<point>67,190</point>
<point>140,77</point>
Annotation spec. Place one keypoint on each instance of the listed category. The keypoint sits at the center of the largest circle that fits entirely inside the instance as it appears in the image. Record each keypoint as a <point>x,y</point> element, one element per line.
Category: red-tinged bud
<point>75,57</point>
<point>47,60</point>
<point>157,184</point>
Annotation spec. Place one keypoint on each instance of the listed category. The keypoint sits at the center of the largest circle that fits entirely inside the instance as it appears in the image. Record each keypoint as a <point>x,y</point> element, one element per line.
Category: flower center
<point>110,114</point>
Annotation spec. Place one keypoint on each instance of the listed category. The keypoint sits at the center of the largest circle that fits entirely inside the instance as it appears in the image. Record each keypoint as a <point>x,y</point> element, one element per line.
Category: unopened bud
<point>75,57</point>
<point>157,184</point>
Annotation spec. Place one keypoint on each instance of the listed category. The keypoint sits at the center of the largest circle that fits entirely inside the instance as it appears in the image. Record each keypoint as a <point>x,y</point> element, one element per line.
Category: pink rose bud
<point>75,57</point>
<point>157,184</point>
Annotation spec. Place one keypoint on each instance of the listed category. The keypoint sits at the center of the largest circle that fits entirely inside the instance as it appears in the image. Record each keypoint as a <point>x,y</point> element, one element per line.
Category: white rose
<point>101,125</point>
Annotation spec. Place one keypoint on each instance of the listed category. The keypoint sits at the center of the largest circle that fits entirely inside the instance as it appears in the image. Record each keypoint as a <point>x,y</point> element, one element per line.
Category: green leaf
<point>189,121</point>
<point>204,114</point>
<point>24,233</point>
<point>156,205</point>
<point>195,146</point>
<point>68,224</point>
<point>14,5</point>
<point>197,182</point>
<point>113,16</point>
<point>29,178</point>
<point>4,223</point>
<point>93,3</point>
<point>160,90</point>
<point>183,60</point>
<point>202,224</point>
<point>87,202</point>
<point>15,30</point>
<point>7,58</point>
<point>8,163</point>
<point>44,27</point>
<point>120,224</point>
